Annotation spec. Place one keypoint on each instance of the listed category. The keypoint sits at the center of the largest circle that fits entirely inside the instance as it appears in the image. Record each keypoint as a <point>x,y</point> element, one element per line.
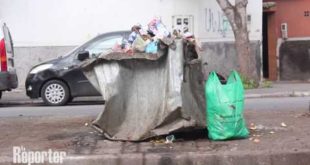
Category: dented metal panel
<point>145,94</point>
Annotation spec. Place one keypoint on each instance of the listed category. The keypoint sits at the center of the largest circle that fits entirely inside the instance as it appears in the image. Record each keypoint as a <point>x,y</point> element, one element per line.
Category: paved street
<point>15,104</point>
<point>84,109</point>
<point>269,143</point>
<point>92,107</point>
<point>63,128</point>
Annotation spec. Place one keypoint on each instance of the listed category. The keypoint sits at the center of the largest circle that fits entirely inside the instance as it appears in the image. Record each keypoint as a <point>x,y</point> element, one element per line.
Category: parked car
<point>8,77</point>
<point>60,80</point>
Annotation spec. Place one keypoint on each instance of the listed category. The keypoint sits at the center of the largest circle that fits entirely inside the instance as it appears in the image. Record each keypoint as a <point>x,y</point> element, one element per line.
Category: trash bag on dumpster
<point>152,47</point>
<point>145,95</point>
<point>225,107</point>
<point>139,44</point>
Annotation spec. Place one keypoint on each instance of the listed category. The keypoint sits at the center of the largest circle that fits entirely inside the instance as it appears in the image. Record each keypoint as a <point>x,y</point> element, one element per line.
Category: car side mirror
<point>83,55</point>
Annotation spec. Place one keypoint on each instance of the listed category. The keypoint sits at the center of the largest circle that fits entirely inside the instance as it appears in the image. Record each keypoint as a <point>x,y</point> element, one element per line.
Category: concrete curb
<point>189,158</point>
<point>279,94</point>
<point>22,102</point>
<point>297,158</point>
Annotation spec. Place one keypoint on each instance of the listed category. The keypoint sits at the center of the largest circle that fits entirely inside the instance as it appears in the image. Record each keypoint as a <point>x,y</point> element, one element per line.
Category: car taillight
<point>3,59</point>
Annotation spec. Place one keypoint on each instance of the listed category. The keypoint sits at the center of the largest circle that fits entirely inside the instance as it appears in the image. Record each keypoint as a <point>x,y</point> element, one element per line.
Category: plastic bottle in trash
<point>124,43</point>
<point>170,139</point>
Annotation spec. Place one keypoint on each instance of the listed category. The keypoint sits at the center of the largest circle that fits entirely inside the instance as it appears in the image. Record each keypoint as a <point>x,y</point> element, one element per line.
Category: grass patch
<point>266,84</point>
<point>252,84</point>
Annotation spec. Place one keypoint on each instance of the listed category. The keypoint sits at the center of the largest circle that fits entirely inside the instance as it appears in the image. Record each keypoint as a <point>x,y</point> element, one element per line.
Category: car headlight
<point>40,68</point>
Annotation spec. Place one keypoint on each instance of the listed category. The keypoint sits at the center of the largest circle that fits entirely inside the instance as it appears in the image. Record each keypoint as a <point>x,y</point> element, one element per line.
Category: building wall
<point>222,57</point>
<point>217,37</point>
<point>292,12</point>
<point>71,22</point>
<point>214,26</point>
<point>43,30</point>
<point>287,57</point>
<point>295,60</point>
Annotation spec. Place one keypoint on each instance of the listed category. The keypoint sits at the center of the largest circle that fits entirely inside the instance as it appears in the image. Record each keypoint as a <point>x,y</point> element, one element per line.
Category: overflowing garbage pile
<point>152,84</point>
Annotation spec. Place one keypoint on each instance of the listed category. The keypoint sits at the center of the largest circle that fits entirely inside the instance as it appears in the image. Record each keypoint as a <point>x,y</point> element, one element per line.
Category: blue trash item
<point>152,47</point>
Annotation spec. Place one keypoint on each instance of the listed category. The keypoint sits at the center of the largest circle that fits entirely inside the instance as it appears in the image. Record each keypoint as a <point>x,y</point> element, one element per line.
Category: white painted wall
<point>214,26</point>
<point>71,22</point>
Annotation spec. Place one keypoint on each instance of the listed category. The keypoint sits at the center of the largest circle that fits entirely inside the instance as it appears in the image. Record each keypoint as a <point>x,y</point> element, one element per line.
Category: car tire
<point>55,93</point>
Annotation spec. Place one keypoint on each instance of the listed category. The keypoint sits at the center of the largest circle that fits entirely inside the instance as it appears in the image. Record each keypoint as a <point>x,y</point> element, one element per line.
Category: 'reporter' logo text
<point>21,155</point>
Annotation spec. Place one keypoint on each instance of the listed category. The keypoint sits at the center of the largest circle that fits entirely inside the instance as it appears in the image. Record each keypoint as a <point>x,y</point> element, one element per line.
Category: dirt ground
<point>271,131</point>
<point>40,133</point>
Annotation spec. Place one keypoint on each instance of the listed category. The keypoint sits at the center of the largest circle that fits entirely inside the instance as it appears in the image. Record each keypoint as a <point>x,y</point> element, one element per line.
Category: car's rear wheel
<point>55,93</point>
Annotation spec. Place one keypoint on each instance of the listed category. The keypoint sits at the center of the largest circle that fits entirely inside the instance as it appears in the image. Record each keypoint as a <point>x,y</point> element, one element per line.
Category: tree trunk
<point>246,60</point>
<point>237,18</point>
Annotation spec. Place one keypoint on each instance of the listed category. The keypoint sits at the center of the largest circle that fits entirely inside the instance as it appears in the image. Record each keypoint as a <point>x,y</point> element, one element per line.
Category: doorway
<point>269,50</point>
<point>265,54</point>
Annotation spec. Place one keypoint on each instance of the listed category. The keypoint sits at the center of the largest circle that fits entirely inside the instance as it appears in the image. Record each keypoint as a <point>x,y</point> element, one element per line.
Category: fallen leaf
<point>283,124</point>
<point>158,141</point>
<point>256,140</point>
<point>271,132</point>
<point>86,124</point>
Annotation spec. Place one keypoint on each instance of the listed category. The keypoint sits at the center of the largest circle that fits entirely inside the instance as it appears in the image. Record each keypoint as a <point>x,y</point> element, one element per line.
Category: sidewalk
<point>276,138</point>
<point>280,89</point>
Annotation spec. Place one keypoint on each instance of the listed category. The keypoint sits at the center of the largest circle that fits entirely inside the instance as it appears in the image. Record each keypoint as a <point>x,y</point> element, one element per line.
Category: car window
<point>104,44</point>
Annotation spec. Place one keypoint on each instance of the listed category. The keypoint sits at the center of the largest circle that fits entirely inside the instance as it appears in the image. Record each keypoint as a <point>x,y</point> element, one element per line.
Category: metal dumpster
<point>145,93</point>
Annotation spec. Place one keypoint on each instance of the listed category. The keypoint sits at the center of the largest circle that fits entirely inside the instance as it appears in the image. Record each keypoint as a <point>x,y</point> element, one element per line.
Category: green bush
<point>249,83</point>
<point>252,84</point>
<point>266,84</point>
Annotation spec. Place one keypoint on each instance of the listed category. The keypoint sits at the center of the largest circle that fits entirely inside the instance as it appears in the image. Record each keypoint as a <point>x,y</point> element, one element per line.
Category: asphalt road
<point>84,109</point>
<point>93,108</point>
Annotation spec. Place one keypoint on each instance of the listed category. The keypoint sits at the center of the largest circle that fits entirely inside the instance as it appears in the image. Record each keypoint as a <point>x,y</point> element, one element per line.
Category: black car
<point>58,81</point>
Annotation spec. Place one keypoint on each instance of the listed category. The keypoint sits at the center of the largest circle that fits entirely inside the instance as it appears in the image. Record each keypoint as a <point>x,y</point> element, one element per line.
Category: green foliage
<point>266,84</point>
<point>252,84</point>
<point>248,83</point>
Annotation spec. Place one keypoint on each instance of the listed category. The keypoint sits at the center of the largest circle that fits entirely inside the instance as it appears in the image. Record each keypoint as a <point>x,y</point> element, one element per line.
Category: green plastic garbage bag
<point>225,104</point>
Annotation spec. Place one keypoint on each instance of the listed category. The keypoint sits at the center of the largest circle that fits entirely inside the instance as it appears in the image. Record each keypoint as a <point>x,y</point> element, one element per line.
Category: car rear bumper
<point>8,81</point>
